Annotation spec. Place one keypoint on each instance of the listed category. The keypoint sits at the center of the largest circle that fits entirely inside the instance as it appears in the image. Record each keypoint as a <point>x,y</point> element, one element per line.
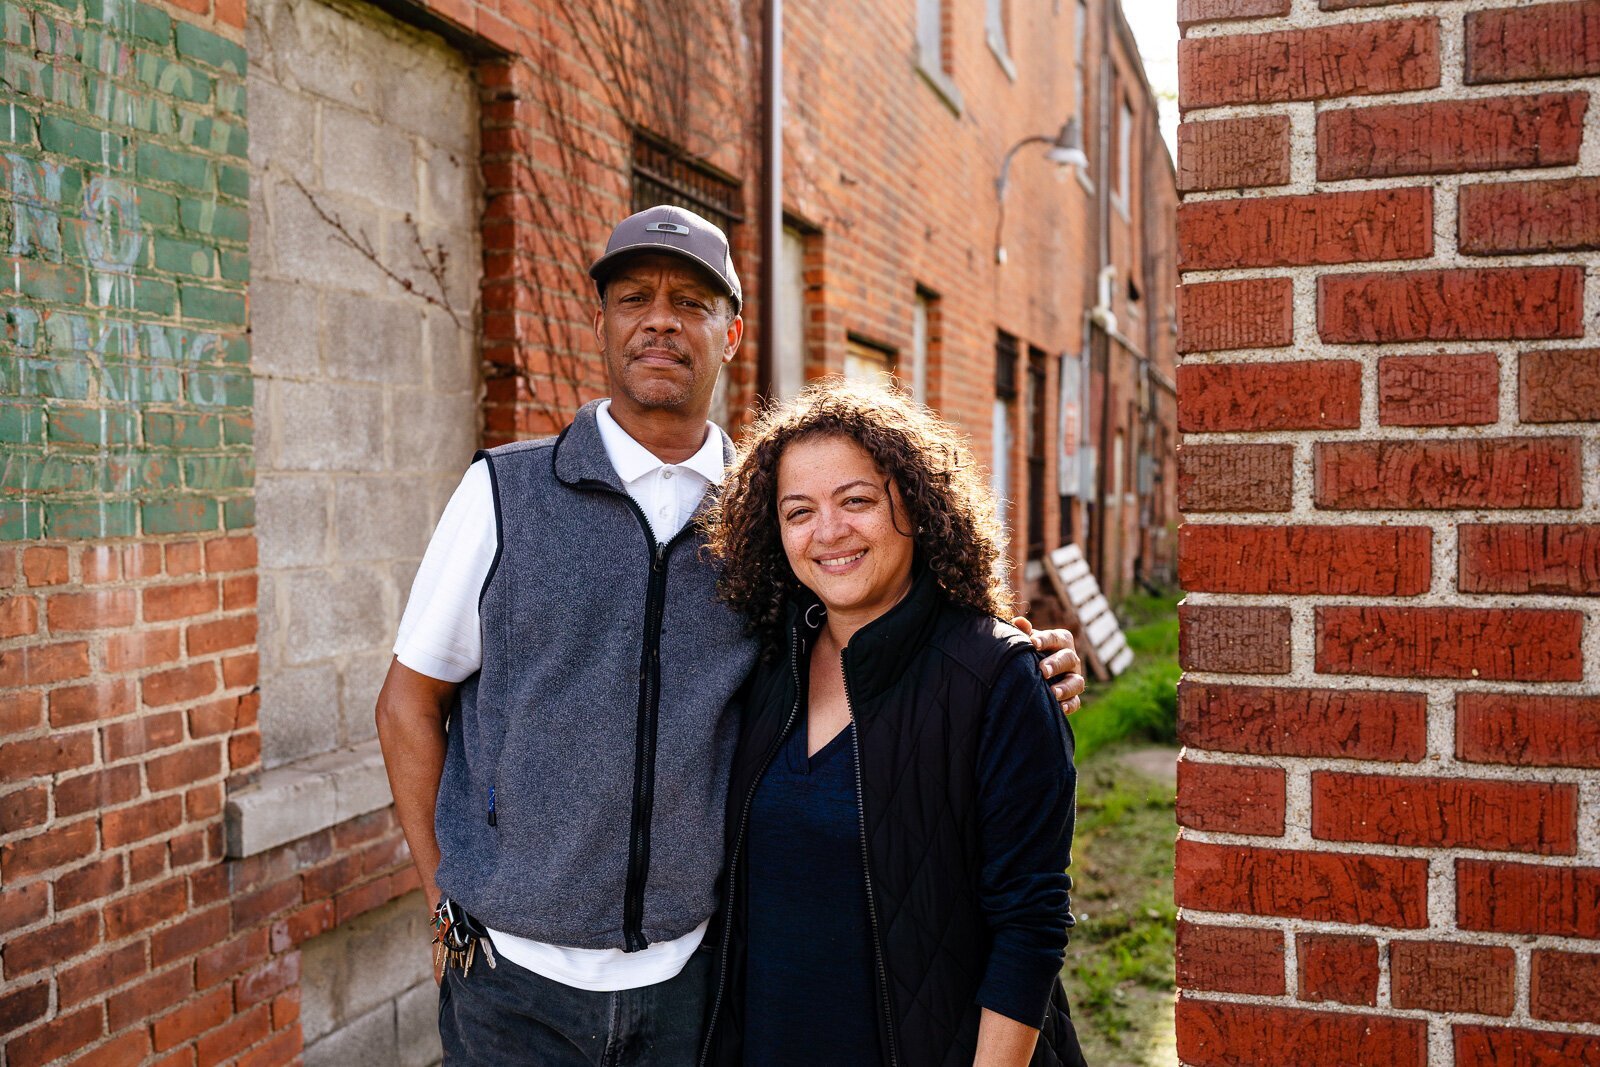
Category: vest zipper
<point>644,763</point>
<point>866,871</point>
<point>738,841</point>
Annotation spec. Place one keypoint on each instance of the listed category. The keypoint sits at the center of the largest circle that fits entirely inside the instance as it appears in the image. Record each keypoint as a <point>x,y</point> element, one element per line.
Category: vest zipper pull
<point>491,806</point>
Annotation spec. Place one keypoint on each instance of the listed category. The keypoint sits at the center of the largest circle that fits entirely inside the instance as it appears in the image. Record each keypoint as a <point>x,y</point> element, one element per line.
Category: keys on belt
<point>456,938</point>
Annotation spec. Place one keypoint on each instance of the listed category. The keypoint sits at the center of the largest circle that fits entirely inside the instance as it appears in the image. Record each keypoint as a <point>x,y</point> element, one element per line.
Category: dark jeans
<point>509,1015</point>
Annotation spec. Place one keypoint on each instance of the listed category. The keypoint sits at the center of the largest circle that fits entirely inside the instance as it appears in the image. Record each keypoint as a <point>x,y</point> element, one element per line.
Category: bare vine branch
<point>433,260</point>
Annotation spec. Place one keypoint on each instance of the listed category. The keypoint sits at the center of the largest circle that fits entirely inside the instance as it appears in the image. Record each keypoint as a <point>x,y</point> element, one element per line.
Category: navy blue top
<point>809,984</point>
<point>810,988</point>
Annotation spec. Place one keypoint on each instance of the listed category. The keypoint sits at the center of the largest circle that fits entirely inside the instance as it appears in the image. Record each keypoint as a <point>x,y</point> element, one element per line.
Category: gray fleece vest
<point>587,762</point>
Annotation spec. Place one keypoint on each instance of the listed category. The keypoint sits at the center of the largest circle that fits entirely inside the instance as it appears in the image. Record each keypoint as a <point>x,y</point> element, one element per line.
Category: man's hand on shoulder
<point>1061,667</point>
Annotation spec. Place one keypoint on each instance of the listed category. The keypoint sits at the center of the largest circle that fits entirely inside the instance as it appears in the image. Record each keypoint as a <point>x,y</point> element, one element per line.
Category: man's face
<point>665,330</point>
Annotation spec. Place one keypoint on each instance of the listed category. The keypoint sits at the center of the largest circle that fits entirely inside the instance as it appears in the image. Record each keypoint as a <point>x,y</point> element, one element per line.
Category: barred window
<point>663,174</point>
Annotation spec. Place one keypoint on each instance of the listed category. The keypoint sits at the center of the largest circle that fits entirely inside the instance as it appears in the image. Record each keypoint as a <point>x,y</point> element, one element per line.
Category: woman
<point>900,809</point>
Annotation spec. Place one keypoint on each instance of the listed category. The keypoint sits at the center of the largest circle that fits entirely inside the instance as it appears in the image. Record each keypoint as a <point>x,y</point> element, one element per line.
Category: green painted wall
<point>125,385</point>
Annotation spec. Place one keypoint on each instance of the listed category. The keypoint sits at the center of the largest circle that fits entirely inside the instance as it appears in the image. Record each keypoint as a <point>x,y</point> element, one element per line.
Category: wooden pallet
<point>1105,650</point>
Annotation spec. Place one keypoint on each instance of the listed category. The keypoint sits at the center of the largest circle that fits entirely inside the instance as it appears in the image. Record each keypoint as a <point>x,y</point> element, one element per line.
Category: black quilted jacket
<point>917,679</point>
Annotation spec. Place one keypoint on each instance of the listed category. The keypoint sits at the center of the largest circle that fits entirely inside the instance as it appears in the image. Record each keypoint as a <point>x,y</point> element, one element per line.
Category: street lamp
<point>1066,150</point>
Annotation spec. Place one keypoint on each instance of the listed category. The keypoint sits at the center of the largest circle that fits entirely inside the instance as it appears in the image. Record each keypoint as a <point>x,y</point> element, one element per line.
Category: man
<point>556,723</point>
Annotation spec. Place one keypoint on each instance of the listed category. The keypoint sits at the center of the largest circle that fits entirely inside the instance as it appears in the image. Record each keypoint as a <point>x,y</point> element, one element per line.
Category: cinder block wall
<point>1390,846</point>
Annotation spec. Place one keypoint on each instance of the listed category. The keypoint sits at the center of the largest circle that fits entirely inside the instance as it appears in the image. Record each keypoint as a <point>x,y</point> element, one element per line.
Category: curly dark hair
<point>951,510</point>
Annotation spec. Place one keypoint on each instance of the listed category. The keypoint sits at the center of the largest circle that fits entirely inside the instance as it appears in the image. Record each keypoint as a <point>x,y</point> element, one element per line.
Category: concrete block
<point>416,1014</point>
<point>371,339</point>
<point>368,1041</point>
<point>404,575</point>
<point>450,184</point>
<point>268,626</point>
<point>283,325</point>
<point>369,158</point>
<point>308,247</point>
<point>456,247</point>
<point>260,240</point>
<point>431,94</point>
<point>325,426</point>
<point>335,611</point>
<point>296,800</point>
<point>293,514</point>
<point>364,966</point>
<point>312,47</point>
<point>299,708</point>
<point>360,784</point>
<point>276,811</point>
<point>359,684</point>
<point>444,429</point>
<point>394,944</point>
<point>381,517</point>
<point>263,413</point>
<point>280,122</point>
<point>452,354</point>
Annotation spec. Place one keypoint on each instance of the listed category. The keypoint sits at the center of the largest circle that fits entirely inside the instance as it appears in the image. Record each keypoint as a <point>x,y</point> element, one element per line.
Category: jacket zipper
<point>738,842</point>
<point>644,764</point>
<point>866,871</point>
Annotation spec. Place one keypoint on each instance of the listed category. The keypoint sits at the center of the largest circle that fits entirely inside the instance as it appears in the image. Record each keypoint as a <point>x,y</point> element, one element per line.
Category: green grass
<point>1119,972</point>
<point>1142,703</point>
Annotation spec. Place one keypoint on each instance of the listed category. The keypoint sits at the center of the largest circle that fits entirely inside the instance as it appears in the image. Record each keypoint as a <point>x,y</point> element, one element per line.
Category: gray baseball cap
<point>676,231</point>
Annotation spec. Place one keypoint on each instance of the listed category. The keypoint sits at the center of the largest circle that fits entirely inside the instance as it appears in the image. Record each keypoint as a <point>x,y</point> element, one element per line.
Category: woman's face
<point>838,528</point>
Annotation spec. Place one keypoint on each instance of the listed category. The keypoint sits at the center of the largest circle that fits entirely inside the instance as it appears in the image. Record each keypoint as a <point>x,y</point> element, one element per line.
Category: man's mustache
<point>658,346</point>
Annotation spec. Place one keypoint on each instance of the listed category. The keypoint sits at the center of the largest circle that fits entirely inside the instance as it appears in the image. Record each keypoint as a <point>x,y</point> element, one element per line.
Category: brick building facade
<point>1388,398</point>
<point>271,274</point>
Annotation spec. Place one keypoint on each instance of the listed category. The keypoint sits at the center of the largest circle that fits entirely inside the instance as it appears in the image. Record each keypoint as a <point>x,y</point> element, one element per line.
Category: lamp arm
<point>1003,180</point>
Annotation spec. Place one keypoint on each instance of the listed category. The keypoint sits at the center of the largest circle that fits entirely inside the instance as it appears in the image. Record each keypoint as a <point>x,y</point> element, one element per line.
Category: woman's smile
<point>840,564</point>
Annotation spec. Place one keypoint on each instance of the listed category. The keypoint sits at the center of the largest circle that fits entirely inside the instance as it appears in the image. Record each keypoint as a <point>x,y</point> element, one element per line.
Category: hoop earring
<point>810,625</point>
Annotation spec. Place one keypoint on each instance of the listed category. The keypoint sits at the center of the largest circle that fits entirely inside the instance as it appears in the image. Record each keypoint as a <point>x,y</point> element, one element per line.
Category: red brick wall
<point>1390,818</point>
<point>127,708</point>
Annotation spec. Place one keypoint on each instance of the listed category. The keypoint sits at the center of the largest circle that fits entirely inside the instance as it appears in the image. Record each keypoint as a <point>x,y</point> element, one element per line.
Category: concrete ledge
<point>297,800</point>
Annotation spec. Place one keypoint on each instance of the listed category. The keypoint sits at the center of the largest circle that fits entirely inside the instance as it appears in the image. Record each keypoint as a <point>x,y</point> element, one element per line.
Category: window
<point>1037,431</point>
<point>930,35</point>
<point>1124,157</point>
<point>1005,394</point>
<point>933,51</point>
<point>1080,49</point>
<point>868,362</point>
<point>662,174</point>
<point>994,30</point>
<point>789,353</point>
<point>1080,62</point>
<point>922,323</point>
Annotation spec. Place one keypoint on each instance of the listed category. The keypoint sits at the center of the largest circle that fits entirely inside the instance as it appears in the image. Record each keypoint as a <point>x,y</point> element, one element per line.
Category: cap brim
<point>600,268</point>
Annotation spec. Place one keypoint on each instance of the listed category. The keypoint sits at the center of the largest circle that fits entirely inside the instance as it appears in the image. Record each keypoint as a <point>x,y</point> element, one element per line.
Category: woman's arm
<point>1003,1042</point>
<point>1026,785</point>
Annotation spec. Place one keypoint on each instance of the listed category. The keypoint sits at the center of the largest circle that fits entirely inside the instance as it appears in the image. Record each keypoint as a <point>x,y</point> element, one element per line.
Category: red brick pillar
<point>1390,793</point>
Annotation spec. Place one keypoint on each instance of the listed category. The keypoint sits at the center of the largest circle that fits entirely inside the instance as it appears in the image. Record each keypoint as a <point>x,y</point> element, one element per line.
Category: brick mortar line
<point>1432,765</point>
<point>1444,1018</point>
<point>1444,182</point>
<point>1379,683</point>
<point>1305,15</point>
<point>1408,520</point>
<point>1407,266</point>
<point>1289,926</point>
<point>1314,107</point>
<point>1585,431</point>
<point>1329,846</point>
<point>1303,163</point>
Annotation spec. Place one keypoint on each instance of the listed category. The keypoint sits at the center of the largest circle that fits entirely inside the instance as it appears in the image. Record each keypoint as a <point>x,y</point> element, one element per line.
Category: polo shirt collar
<point>633,461</point>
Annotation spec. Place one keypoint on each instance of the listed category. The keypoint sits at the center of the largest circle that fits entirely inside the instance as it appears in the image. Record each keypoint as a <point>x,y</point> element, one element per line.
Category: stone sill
<point>297,800</point>
<point>941,83</point>
<point>1002,55</point>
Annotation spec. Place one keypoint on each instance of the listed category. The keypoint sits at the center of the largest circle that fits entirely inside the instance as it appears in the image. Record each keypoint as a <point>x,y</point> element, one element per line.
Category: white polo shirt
<point>441,637</point>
